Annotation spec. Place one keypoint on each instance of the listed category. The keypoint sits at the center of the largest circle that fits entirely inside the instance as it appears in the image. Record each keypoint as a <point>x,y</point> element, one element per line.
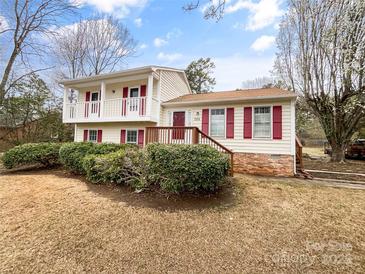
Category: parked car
<point>356,149</point>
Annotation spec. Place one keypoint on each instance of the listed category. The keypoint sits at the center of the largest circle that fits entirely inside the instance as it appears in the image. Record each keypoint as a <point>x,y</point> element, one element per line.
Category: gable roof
<point>233,95</point>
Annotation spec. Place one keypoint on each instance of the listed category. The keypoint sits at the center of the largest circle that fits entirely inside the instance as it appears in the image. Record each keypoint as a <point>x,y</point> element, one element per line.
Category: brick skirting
<point>263,164</point>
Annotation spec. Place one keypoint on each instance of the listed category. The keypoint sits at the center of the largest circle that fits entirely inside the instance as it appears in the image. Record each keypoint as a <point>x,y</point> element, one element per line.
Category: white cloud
<point>261,14</point>
<point>138,22</point>
<point>230,71</point>
<point>3,23</point>
<point>143,46</point>
<point>263,43</point>
<point>173,34</point>
<point>119,8</point>
<point>169,58</point>
<point>159,42</point>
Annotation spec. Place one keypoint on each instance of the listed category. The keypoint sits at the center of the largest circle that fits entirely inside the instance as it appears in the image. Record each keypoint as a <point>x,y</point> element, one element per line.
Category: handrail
<point>214,141</point>
<point>299,152</point>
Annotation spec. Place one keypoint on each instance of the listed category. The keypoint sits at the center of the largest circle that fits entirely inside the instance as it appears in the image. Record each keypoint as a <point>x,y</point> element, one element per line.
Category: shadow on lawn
<point>222,199</point>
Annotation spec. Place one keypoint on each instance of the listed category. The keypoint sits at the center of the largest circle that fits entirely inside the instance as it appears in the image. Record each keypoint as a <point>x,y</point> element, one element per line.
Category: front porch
<point>123,99</point>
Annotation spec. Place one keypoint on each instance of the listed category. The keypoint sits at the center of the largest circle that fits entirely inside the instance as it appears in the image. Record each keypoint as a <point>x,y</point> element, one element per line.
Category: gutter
<point>228,100</point>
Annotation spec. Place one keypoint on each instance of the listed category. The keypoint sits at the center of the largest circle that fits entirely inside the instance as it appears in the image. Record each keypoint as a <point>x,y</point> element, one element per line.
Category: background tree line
<point>320,57</point>
<point>39,46</point>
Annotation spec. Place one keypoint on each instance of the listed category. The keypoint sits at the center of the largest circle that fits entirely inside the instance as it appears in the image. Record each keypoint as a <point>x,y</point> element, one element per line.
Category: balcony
<point>110,110</point>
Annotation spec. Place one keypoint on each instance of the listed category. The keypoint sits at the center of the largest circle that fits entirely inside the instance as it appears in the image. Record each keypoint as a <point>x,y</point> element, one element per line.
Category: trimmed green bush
<point>72,154</point>
<point>46,154</point>
<point>186,168</point>
<point>121,167</point>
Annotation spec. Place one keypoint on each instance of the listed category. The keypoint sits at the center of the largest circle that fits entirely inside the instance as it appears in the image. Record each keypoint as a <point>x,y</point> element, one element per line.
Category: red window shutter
<point>142,101</point>
<point>86,133</point>
<point>125,92</point>
<point>230,123</point>
<point>247,123</point>
<point>87,99</point>
<point>124,102</point>
<point>277,122</point>
<point>140,137</point>
<point>100,136</point>
<point>205,121</point>
<point>122,136</point>
<point>143,90</point>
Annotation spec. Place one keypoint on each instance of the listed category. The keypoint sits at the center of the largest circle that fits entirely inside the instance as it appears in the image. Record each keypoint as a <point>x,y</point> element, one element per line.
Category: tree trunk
<point>338,154</point>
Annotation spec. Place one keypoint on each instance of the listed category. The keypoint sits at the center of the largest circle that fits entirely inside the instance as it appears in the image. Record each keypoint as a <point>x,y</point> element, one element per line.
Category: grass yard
<point>320,161</point>
<point>52,222</point>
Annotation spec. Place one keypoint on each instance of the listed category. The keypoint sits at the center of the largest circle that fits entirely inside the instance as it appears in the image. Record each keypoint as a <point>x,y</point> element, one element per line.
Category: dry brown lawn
<point>52,222</point>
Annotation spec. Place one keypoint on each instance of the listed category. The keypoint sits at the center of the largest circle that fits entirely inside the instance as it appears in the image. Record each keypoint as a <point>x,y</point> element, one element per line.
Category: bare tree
<point>321,57</point>
<point>212,9</point>
<point>93,46</point>
<point>25,20</point>
<point>258,82</point>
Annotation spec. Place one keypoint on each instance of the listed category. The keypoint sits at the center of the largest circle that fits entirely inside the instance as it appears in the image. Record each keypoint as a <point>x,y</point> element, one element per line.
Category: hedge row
<point>171,168</point>
<point>72,154</point>
<point>45,154</point>
<point>186,168</point>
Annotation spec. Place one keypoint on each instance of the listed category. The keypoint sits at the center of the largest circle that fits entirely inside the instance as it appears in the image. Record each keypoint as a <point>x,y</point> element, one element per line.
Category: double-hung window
<point>262,122</point>
<point>93,135</point>
<point>131,137</point>
<point>217,122</point>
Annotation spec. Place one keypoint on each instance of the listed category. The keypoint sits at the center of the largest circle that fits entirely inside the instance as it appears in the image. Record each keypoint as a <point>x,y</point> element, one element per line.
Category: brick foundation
<point>263,164</point>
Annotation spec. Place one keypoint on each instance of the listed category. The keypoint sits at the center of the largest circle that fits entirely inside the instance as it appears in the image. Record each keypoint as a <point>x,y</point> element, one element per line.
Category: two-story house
<point>155,104</point>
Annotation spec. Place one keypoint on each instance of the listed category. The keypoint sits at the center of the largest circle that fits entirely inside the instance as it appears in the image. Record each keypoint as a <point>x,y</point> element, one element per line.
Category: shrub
<point>46,154</point>
<point>191,168</point>
<point>72,154</point>
<point>121,167</point>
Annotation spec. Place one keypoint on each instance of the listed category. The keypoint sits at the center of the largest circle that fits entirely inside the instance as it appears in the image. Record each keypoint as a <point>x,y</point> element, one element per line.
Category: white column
<point>65,101</point>
<point>159,100</point>
<point>102,98</point>
<point>149,94</point>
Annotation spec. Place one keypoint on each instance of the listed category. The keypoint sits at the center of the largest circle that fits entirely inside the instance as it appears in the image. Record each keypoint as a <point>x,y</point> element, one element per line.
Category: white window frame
<point>91,96</point>
<point>253,122</point>
<point>139,91</point>
<point>126,136</point>
<point>88,135</point>
<point>224,122</point>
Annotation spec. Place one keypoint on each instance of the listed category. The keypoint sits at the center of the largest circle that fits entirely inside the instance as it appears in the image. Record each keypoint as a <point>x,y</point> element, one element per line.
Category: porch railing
<point>185,135</point>
<point>299,153</point>
<point>112,108</point>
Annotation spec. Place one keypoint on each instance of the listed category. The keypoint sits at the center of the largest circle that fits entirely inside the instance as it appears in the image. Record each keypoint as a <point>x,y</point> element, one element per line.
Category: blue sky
<point>242,44</point>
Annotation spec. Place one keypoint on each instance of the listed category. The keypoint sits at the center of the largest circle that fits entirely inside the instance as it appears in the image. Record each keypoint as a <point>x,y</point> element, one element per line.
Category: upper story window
<point>93,135</point>
<point>94,96</point>
<point>217,122</point>
<point>262,122</point>
<point>134,92</point>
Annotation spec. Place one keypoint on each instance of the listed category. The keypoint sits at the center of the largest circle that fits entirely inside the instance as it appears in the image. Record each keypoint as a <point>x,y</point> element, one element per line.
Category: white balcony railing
<point>121,108</point>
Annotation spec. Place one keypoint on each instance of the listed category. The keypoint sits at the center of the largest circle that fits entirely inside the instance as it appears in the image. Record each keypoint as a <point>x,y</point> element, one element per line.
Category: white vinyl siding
<point>111,131</point>
<point>172,85</point>
<point>238,143</point>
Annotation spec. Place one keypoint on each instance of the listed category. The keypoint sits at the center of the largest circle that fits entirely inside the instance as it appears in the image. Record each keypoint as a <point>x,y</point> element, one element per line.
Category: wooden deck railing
<point>185,135</point>
<point>299,153</point>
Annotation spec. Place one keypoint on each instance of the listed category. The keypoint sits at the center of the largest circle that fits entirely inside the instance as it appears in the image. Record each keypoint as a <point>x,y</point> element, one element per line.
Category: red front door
<point>178,120</point>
